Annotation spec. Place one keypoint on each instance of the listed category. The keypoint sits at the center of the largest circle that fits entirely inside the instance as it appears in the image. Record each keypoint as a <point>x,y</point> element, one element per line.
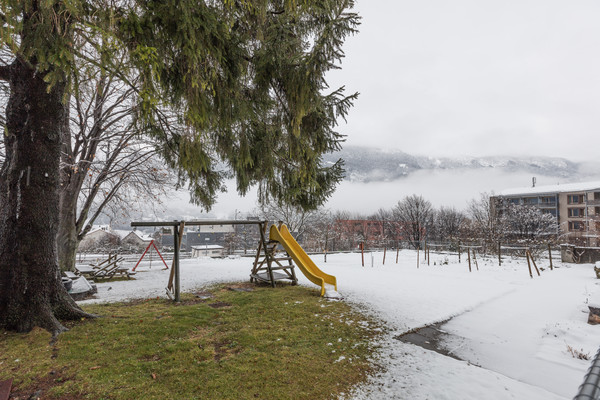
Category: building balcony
<point>593,202</point>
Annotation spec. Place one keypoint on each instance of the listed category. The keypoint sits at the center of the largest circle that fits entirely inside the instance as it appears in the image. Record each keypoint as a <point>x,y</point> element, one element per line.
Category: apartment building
<point>576,207</point>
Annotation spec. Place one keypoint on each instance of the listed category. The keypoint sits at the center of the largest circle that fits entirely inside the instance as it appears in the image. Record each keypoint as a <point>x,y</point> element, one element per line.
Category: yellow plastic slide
<point>303,261</point>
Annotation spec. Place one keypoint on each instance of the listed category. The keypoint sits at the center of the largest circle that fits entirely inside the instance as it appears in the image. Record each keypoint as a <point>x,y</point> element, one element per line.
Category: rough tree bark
<point>31,291</point>
<point>67,236</point>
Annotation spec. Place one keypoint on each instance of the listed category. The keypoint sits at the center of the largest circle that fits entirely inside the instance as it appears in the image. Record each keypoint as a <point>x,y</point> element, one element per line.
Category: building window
<point>575,199</point>
<point>597,210</point>
<point>547,200</point>
<point>514,201</point>
<point>575,226</point>
<point>576,212</point>
<point>551,211</point>
<point>530,200</point>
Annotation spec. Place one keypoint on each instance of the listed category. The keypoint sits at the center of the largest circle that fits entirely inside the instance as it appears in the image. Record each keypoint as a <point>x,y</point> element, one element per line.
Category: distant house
<point>204,235</point>
<point>208,250</point>
<point>99,237</point>
<point>200,236</point>
<point>136,240</point>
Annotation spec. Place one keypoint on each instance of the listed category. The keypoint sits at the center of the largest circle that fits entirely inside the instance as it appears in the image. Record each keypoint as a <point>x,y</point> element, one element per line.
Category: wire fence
<point>590,388</point>
<point>498,250</point>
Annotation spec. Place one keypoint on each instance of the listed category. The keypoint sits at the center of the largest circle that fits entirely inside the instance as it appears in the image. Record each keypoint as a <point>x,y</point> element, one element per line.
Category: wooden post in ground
<point>174,274</point>
<point>384,250</point>
<point>262,229</point>
<point>475,259</point>
<point>528,264</point>
<point>397,251</point>
<point>499,254</point>
<point>362,253</point>
<point>418,256</point>
<point>550,256</point>
<point>177,238</point>
<point>459,251</point>
<point>533,261</point>
<point>469,257</point>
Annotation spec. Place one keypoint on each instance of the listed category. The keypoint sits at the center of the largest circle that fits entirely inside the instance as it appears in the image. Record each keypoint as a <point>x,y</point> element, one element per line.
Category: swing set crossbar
<point>173,287</point>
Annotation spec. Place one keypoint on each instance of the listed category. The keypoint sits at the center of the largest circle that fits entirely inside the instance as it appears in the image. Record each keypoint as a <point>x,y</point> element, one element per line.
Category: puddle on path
<point>428,337</point>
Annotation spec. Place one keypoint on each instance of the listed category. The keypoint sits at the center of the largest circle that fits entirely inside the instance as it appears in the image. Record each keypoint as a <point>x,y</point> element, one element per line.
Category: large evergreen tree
<point>247,79</point>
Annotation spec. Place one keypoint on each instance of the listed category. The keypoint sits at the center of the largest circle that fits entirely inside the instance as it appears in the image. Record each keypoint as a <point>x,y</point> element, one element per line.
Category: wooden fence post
<point>550,256</point>
<point>533,261</point>
<point>499,254</point>
<point>459,251</point>
<point>362,253</point>
<point>528,263</point>
<point>384,250</point>
<point>397,251</point>
<point>418,255</point>
<point>475,259</point>
<point>469,258</point>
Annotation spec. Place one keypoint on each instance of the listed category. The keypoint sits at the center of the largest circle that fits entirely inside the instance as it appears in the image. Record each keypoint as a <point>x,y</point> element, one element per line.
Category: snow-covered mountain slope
<point>372,165</point>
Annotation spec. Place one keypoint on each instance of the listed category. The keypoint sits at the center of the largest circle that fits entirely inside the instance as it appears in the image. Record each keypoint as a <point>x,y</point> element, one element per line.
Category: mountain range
<point>364,164</point>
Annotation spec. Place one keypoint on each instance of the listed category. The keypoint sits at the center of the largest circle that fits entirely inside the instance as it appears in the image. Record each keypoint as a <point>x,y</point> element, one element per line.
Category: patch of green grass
<point>283,343</point>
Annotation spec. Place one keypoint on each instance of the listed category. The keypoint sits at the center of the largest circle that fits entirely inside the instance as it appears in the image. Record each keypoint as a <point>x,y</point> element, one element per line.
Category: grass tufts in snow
<point>268,343</point>
<point>579,354</point>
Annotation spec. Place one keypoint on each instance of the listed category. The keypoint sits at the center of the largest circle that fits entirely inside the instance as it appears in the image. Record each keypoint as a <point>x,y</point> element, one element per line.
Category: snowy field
<point>513,331</point>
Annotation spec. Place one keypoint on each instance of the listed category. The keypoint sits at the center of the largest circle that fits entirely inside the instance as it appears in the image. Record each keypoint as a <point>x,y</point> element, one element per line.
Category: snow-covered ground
<point>513,331</point>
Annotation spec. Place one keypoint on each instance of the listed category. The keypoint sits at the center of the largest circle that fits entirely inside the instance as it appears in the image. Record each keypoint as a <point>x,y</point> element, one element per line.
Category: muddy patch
<point>219,304</point>
<point>428,337</point>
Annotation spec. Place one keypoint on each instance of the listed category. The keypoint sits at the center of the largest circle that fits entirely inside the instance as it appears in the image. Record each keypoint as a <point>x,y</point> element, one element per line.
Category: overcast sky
<point>473,77</point>
<point>464,77</point>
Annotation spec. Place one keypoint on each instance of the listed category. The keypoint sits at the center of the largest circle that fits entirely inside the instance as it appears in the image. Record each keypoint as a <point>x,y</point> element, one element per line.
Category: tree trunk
<point>67,238</point>
<point>31,291</point>
<point>71,179</point>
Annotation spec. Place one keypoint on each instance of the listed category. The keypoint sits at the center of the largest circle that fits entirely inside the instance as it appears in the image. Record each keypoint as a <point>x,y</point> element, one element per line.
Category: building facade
<point>575,206</point>
<point>208,250</point>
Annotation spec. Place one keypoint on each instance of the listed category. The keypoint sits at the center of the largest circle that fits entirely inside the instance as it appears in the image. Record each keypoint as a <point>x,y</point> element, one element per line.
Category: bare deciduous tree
<point>448,223</point>
<point>107,165</point>
<point>528,223</point>
<point>296,219</point>
<point>485,222</point>
<point>413,216</point>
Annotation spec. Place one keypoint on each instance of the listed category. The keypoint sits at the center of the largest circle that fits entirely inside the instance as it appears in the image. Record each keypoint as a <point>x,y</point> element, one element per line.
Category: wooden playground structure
<point>269,264</point>
<point>106,269</point>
